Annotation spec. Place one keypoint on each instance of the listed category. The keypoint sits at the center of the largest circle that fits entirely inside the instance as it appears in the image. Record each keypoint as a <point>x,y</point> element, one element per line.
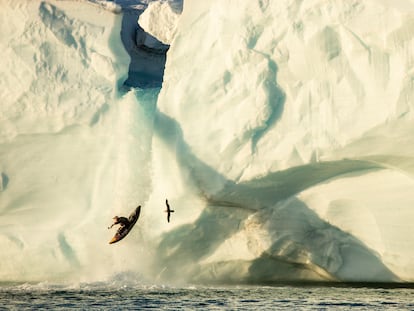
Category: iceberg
<point>279,131</point>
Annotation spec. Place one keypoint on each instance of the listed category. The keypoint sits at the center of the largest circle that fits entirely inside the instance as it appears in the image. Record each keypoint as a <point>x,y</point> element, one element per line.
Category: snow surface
<point>160,20</point>
<point>282,138</point>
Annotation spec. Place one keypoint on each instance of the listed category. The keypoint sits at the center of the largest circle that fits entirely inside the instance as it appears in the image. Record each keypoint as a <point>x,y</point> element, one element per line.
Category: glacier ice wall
<point>303,110</point>
<point>282,137</point>
<point>69,140</point>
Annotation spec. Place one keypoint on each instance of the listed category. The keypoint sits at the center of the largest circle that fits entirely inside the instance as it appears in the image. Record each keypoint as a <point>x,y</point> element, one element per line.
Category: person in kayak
<point>119,220</point>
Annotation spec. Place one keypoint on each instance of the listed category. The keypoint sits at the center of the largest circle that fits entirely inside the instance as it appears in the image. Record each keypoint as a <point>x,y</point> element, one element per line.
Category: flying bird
<point>168,210</point>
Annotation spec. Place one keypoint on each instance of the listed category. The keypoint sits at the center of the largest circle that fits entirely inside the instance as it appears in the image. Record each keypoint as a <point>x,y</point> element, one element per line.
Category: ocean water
<point>284,297</point>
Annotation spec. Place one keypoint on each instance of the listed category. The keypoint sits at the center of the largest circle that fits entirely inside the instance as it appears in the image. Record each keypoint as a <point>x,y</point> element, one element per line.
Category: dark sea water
<point>109,297</point>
